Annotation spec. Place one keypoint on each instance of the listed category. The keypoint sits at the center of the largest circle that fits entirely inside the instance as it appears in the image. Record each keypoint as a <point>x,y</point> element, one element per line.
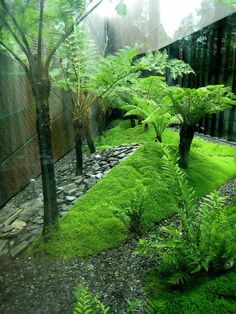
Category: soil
<point>44,285</point>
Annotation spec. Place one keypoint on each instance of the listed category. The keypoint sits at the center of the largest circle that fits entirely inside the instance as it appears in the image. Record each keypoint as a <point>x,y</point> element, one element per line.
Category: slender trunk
<point>88,136</point>
<point>90,142</point>
<point>132,123</point>
<point>78,147</point>
<point>186,136</point>
<point>41,89</point>
<point>140,119</point>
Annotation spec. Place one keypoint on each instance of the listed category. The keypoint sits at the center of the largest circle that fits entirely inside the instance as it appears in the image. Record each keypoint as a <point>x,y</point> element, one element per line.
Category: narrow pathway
<point>47,286</point>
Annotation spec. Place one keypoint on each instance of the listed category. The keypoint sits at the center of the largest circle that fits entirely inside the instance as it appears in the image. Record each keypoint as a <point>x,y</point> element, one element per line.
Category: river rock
<point>69,187</point>
<point>30,209</point>
<point>70,199</point>
<point>6,229</point>
<point>3,244</point>
<point>18,248</point>
<point>18,224</point>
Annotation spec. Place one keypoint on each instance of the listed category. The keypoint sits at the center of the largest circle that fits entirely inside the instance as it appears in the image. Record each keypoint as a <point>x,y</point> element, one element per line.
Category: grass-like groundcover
<point>211,295</point>
<point>91,226</point>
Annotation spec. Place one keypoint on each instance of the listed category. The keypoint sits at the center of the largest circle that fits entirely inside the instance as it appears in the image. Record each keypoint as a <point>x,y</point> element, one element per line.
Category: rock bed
<point>21,220</point>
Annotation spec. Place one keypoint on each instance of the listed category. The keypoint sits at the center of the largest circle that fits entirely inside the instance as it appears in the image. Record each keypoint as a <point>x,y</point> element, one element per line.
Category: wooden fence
<point>212,54</point>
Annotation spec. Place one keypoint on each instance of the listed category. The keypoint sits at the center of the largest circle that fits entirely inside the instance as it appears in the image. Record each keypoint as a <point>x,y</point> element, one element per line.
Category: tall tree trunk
<point>78,147</point>
<point>186,137</point>
<point>41,89</point>
<point>88,136</point>
<point>90,142</point>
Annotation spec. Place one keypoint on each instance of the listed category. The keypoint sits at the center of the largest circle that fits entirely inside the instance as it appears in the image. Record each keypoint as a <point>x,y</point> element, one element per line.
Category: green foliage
<point>193,104</point>
<point>230,3</point>
<point>58,16</point>
<point>206,235</point>
<point>205,295</point>
<point>132,215</point>
<point>159,61</point>
<point>77,62</point>
<point>121,8</point>
<point>134,306</point>
<point>119,73</point>
<point>151,113</point>
<point>91,225</point>
<point>86,303</point>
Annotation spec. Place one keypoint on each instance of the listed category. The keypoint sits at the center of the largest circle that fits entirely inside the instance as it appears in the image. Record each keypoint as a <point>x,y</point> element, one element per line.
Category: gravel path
<point>42,285</point>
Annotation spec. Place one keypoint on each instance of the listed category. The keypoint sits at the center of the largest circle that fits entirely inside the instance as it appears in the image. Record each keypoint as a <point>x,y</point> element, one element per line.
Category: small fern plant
<point>205,238</point>
<point>132,215</point>
<point>86,303</point>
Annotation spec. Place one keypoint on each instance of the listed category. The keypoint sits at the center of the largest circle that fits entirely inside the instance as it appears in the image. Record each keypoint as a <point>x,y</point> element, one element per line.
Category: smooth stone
<point>121,156</point>
<point>81,188</point>
<point>3,253</point>
<point>6,229</point>
<point>18,248</point>
<point>60,189</point>
<point>32,227</point>
<point>3,244</point>
<point>65,208</point>
<point>25,237</point>
<point>18,224</point>
<point>99,175</point>
<point>70,198</point>
<point>30,209</point>
<point>69,187</point>
<point>60,201</point>
<point>12,218</point>
<point>36,231</point>
<point>78,194</point>
<point>13,233</point>
<point>72,192</point>
<point>38,220</point>
<point>114,163</point>
<point>78,181</point>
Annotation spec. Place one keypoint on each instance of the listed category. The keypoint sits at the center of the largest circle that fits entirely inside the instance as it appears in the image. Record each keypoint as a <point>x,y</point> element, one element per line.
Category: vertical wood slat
<point>213,57</point>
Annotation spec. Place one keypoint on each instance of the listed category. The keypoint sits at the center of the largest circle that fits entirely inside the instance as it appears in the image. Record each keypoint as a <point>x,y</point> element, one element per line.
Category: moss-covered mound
<point>92,225</point>
<point>207,295</point>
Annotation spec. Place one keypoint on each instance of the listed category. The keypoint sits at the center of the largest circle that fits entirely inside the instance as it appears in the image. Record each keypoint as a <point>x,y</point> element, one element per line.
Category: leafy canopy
<point>193,104</point>
<point>22,16</point>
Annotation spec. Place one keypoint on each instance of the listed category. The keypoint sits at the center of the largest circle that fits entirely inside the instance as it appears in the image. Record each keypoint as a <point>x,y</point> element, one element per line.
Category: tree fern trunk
<point>132,123</point>
<point>78,147</point>
<point>186,137</point>
<point>41,90</point>
<point>89,139</point>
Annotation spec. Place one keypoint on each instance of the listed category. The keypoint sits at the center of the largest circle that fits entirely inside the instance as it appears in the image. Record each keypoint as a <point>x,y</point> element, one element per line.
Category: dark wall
<point>19,156</point>
<point>212,54</point>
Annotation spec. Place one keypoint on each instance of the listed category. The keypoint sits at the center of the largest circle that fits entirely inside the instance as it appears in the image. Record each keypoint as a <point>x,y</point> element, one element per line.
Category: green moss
<point>91,225</point>
<point>208,295</point>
